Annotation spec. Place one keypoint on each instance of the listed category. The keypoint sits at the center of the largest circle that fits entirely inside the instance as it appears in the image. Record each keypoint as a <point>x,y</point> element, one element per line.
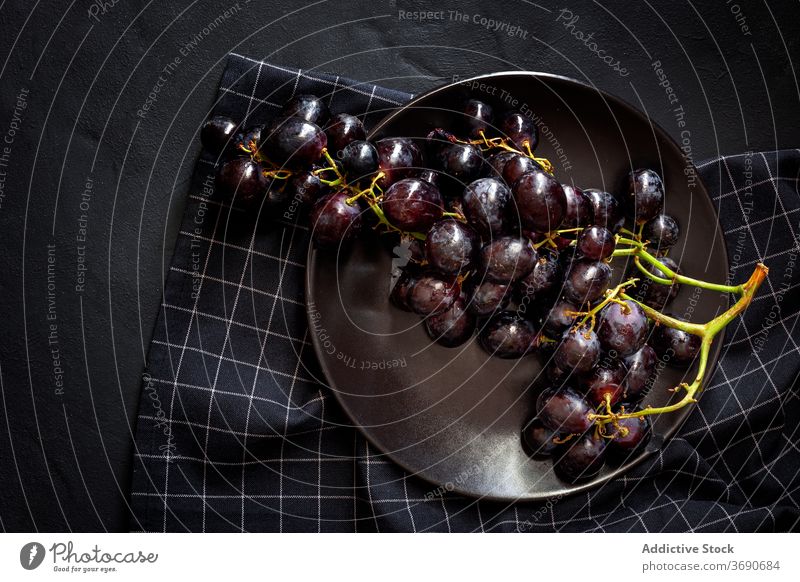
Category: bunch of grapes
<point>499,247</point>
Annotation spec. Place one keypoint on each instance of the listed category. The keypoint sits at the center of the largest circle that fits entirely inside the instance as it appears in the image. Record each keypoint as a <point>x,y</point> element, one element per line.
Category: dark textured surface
<point>68,461</point>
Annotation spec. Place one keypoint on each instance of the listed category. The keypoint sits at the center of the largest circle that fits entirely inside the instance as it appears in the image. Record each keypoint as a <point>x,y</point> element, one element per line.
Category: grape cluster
<point>499,247</point>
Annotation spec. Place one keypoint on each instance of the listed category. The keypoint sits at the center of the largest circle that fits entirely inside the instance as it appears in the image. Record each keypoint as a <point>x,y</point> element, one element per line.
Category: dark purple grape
<point>412,205</point>
<point>431,295</point>
<point>645,195</point>
<point>638,433</point>
<point>675,346</point>
<point>544,278</point>
<point>488,297</point>
<point>597,394</point>
<point>450,246</point>
<point>507,335</point>
<point>578,208</point>
<point>559,319</point>
<point>460,163</point>
<point>508,259</point>
<point>520,130</point>
<point>242,180</point>
<point>662,232</point>
<point>516,166</point>
<point>306,188</point>
<point>622,328</point>
<point>652,293</point>
<point>307,107</point>
<point>608,371</point>
<point>359,159</point>
<point>334,221</point>
<point>641,367</point>
<point>586,281</point>
<point>398,158</point>
<point>605,209</point>
<point>217,134</point>
<point>452,327</point>
<point>401,292</point>
<point>497,162</point>
<point>578,351</point>
<point>343,129</point>
<point>580,459</point>
<point>596,243</point>
<point>538,439</point>
<point>479,116</point>
<point>540,201</point>
<point>484,203</point>
<point>563,410</point>
<point>295,142</point>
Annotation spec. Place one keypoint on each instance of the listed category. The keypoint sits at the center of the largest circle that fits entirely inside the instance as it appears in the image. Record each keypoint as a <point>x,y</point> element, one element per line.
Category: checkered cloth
<point>234,433</point>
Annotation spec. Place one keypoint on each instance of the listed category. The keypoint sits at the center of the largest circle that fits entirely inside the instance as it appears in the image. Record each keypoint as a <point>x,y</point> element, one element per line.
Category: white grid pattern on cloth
<point>260,445</point>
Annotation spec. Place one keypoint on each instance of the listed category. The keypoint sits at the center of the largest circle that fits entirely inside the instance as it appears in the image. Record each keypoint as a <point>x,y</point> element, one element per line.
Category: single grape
<point>605,209</point>
<point>641,367</point>
<point>306,188</point>
<point>578,208</point>
<point>412,205</point>
<point>488,297</point>
<point>645,195</point>
<point>580,459</point>
<point>508,259</point>
<point>450,246</point>
<point>401,292</point>
<point>652,293</point>
<point>452,327</point>
<point>479,116</point>
<point>507,335</point>
<point>242,180</point>
<point>295,142</point>
<point>398,158</point>
<point>359,159</point>
<point>544,278</point>
<point>307,107</point>
<point>608,371</point>
<point>540,201</point>
<point>560,318</point>
<point>622,328</point>
<point>334,221</point>
<point>343,129</point>
<point>563,410</point>
<point>520,130</point>
<point>596,243</point>
<point>578,351</point>
<point>675,346</point>
<point>460,163</point>
<point>432,294</point>
<point>586,281</point>
<point>217,134</point>
<point>662,232</point>
<point>639,431</point>
<point>497,162</point>
<point>538,439</point>
<point>484,203</point>
<point>516,166</point>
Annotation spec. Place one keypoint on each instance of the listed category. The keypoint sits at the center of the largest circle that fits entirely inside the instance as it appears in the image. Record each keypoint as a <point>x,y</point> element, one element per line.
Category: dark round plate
<point>454,416</point>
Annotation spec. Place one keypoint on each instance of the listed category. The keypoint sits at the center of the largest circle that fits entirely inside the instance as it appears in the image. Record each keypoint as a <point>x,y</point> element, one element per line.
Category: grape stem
<point>706,331</point>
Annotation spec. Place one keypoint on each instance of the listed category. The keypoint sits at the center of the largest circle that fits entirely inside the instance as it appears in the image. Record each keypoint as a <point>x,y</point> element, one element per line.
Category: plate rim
<point>567,490</point>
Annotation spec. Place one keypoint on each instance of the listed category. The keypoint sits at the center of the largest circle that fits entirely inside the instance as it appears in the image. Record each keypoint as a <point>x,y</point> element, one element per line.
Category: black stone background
<point>88,66</point>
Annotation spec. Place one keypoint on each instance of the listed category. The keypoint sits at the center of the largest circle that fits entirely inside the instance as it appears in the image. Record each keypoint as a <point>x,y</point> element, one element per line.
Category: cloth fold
<point>236,433</point>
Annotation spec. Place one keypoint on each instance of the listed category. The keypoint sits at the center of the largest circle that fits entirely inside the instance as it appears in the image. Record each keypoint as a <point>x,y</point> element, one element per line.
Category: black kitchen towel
<point>235,434</point>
